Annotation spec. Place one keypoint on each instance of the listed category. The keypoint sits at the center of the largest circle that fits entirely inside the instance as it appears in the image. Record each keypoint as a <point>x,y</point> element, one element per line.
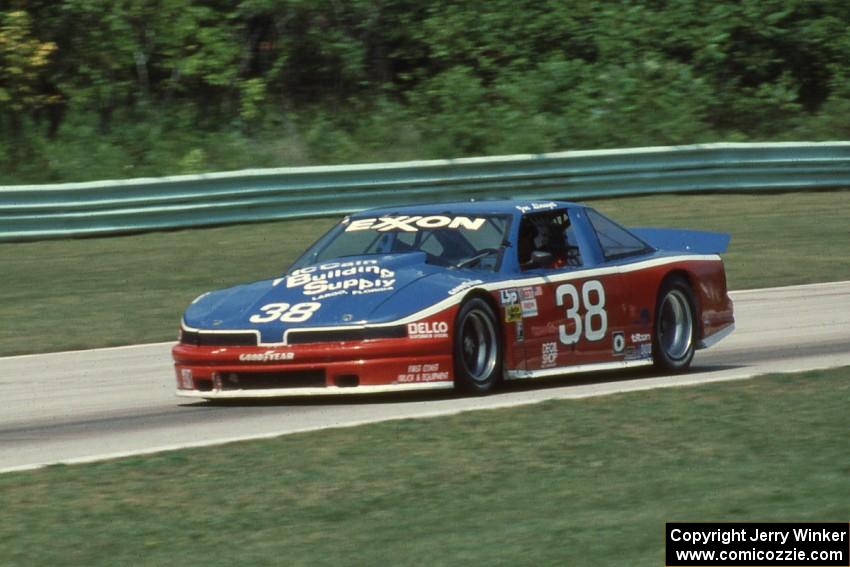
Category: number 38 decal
<point>595,322</point>
<point>298,313</point>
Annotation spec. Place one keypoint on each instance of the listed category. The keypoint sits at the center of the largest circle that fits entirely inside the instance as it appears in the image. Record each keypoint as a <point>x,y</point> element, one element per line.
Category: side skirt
<point>617,365</point>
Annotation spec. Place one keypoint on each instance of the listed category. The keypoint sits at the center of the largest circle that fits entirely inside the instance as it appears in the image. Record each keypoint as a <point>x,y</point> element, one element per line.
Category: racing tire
<point>477,348</point>
<point>675,330</point>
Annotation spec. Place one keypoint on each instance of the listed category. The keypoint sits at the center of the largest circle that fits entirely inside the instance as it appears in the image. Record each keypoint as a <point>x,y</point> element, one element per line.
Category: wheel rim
<point>478,345</point>
<point>675,325</point>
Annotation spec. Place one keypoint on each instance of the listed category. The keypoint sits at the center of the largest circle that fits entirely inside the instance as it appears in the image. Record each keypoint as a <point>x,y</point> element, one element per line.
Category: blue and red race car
<point>459,295</point>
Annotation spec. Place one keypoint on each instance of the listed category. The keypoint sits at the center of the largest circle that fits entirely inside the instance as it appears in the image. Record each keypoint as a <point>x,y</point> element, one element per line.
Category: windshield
<point>474,241</point>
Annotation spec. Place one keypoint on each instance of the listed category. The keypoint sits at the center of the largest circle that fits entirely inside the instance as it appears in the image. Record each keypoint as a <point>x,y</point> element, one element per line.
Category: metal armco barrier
<point>109,207</point>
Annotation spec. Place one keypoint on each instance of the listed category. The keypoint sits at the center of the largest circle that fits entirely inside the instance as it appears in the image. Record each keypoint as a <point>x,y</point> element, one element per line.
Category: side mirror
<point>541,258</point>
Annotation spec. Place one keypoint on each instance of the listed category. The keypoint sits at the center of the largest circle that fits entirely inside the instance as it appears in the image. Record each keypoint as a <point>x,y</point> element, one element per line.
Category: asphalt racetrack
<point>92,405</point>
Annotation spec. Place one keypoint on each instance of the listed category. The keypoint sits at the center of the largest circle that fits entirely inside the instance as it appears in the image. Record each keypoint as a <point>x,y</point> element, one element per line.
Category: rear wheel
<point>477,348</point>
<point>674,338</point>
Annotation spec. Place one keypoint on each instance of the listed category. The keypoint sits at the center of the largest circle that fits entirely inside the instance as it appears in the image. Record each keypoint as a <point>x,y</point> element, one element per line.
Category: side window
<point>615,240</point>
<point>548,232</point>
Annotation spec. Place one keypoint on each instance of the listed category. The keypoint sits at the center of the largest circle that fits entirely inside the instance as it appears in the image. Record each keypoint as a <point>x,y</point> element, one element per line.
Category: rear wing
<point>680,240</point>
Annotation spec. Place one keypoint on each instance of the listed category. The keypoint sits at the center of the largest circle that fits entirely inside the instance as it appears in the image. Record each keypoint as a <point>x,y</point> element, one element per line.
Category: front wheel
<point>477,348</point>
<point>675,329</point>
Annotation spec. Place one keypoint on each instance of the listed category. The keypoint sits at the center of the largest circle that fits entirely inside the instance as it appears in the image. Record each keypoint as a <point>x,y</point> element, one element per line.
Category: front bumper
<point>218,372</point>
<point>297,392</point>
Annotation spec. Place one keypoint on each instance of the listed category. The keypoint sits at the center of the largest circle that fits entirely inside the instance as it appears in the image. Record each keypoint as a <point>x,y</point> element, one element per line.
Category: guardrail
<point>108,207</point>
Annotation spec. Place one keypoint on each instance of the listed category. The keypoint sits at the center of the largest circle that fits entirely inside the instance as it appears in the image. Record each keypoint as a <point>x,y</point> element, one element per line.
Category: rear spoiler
<point>680,240</point>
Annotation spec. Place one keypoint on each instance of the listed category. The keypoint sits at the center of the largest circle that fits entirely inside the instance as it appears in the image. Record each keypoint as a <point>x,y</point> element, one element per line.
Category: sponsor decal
<point>406,223</point>
<point>594,324</point>
<point>619,339</point>
<point>465,285</point>
<point>423,373</point>
<point>508,297</point>
<point>425,330</point>
<point>357,286</point>
<point>520,331</point>
<point>639,352</point>
<point>342,278</point>
<point>527,293</point>
<point>335,266</point>
<point>268,356</point>
<point>538,291</point>
<point>641,337</point>
<point>330,294</point>
<point>549,355</point>
<point>285,312</point>
<point>529,308</point>
<point>513,313</point>
<point>537,207</point>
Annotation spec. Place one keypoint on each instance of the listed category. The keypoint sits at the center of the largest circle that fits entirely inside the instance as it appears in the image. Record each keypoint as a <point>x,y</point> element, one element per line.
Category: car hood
<point>352,291</point>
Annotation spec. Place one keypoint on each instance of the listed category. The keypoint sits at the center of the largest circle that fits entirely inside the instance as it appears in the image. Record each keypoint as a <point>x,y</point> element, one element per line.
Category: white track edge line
<point>789,287</point>
<point>86,350</point>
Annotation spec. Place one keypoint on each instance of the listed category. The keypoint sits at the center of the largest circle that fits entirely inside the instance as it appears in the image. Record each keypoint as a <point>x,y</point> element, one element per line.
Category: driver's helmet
<point>541,238</point>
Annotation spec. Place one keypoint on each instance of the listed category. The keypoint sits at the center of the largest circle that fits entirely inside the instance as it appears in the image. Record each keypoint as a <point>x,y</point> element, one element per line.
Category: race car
<point>459,295</point>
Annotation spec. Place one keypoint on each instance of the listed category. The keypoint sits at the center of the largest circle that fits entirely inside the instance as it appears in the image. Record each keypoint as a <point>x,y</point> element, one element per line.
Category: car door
<point>635,281</point>
<point>566,307</point>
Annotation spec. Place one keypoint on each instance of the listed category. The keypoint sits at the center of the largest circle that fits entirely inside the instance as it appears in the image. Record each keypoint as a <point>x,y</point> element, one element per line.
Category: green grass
<point>576,482</point>
<point>72,294</point>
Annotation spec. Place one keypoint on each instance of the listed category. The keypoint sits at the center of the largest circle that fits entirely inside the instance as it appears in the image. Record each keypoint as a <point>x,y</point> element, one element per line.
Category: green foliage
<point>22,60</point>
<point>168,86</point>
<point>252,92</point>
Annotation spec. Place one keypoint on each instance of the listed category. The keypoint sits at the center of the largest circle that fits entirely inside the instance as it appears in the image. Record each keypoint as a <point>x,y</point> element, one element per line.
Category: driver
<point>557,244</point>
<point>543,236</point>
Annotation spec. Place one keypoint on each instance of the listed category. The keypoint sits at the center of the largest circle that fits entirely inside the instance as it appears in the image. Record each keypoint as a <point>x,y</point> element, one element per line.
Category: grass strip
<point>569,482</point>
<point>75,294</point>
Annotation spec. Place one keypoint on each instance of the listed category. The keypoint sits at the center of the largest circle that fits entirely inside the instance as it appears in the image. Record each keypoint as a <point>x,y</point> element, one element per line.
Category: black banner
<point>758,544</point>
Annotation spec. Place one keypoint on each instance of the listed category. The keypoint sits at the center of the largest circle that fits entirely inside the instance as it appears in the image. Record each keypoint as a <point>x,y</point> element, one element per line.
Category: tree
<point>23,59</point>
